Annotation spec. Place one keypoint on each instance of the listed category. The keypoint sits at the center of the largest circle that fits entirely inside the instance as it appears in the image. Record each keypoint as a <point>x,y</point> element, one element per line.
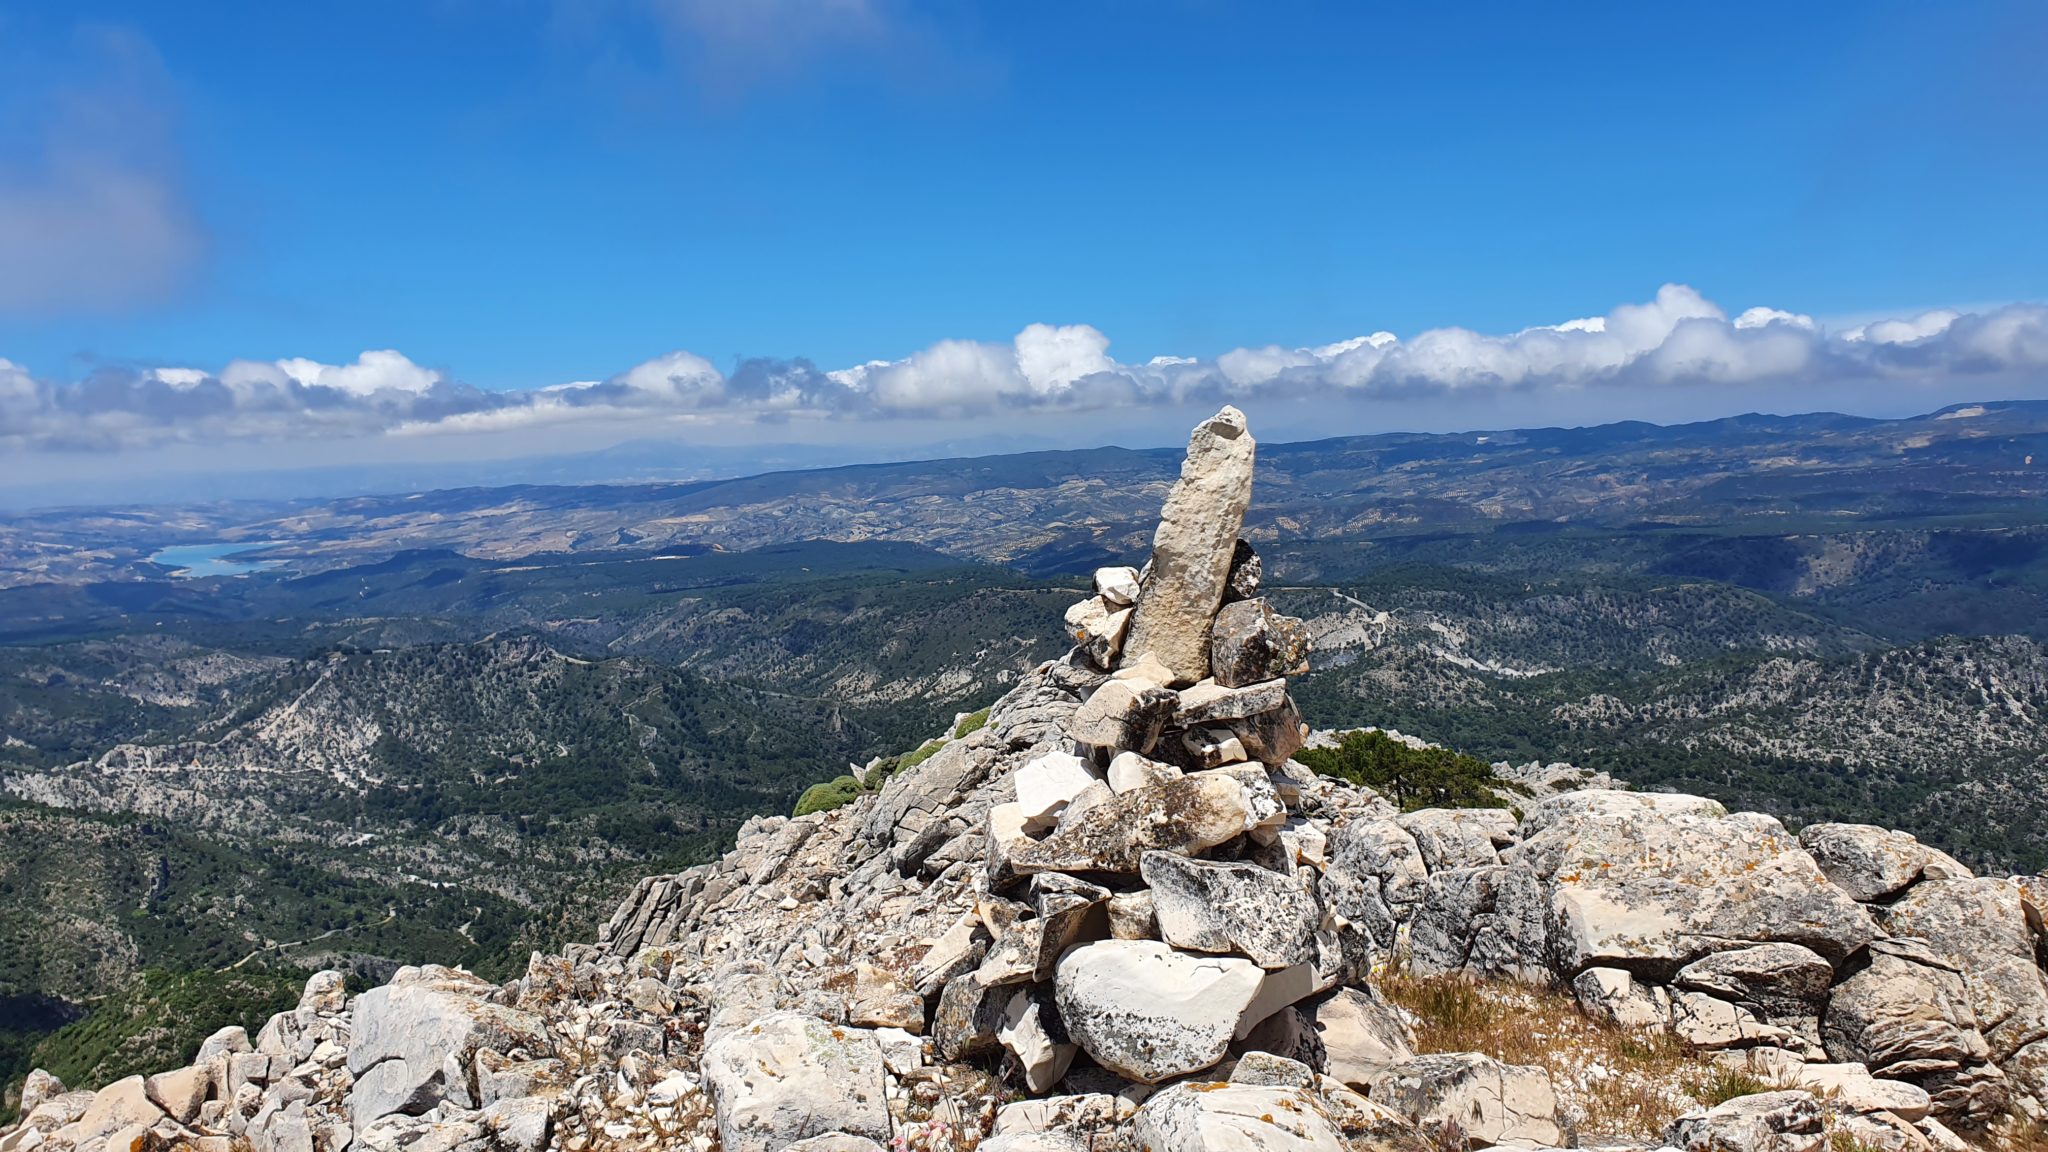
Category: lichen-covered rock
<point>1210,703</point>
<point>1980,926</point>
<point>1246,570</point>
<point>1273,736</point>
<point>1124,714</point>
<point>788,1077</point>
<point>1871,863</point>
<point>1374,879</point>
<point>1192,548</point>
<point>969,1014</point>
<point>1477,1097</point>
<point>1787,1121</point>
<point>1235,1118</point>
<point>1460,837</point>
<point>1250,643</point>
<point>1709,1024</point>
<point>1907,1016</point>
<point>37,1087</point>
<point>1488,921</point>
<point>1149,1013</point>
<point>1183,816</point>
<point>1210,906</point>
<point>1785,984</point>
<point>1652,882</point>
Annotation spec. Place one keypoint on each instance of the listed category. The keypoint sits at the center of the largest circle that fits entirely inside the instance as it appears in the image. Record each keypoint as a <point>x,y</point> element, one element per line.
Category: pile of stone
<point>1119,916</point>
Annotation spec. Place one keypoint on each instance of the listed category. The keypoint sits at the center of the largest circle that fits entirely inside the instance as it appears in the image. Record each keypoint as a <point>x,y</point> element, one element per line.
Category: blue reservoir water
<point>194,560</point>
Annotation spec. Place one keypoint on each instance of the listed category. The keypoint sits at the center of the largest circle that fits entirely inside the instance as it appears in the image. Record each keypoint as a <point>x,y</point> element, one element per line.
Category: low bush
<point>834,793</point>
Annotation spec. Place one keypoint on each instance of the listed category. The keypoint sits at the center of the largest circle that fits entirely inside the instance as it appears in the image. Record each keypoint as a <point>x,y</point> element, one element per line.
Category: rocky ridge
<point>1119,915</point>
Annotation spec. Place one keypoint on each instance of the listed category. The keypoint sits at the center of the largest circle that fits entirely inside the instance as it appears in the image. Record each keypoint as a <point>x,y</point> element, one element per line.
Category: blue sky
<point>512,196</point>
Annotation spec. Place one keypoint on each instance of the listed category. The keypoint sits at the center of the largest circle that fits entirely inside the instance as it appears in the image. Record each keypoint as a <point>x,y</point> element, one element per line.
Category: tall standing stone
<point>1192,549</point>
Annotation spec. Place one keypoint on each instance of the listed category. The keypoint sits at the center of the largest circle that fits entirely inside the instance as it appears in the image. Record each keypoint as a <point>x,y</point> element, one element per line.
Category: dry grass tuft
<point>1612,1084</point>
<point>1720,1085</point>
<point>2018,1134</point>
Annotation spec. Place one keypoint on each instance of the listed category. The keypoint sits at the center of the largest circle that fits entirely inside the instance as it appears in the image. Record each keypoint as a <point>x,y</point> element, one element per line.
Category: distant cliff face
<point>1121,914</point>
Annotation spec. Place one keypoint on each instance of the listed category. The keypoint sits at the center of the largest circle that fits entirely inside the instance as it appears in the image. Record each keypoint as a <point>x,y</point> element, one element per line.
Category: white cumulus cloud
<point>1676,340</point>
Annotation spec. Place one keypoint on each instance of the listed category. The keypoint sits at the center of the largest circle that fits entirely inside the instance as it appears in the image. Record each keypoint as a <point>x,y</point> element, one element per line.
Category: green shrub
<point>827,796</point>
<point>923,753</point>
<point>972,722</point>
<point>1413,778</point>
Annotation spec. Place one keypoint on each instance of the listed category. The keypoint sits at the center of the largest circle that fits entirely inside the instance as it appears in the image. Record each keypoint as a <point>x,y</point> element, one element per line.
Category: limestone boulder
<point>1250,643</point>
<point>183,1091</point>
<point>116,1108</point>
<point>1129,772</point>
<point>1087,1115</point>
<point>1033,1142</point>
<point>1236,1118</point>
<point>1064,912</point>
<point>1475,1096</point>
<point>1709,1024</point>
<point>1652,882</point>
<point>1907,1016</point>
<point>1615,996</point>
<point>1204,748</point>
<point>1872,863</point>
<point>1123,714</point>
<point>1192,548</point>
<point>1459,837</point>
<point>1782,984</point>
<point>1779,979</point>
<point>969,1015</point>
<point>789,1077</point>
<point>1981,928</point>
<point>1211,906</point>
<point>1487,921</point>
<point>1787,1121</point>
<point>1032,1032</point>
<point>1185,816</point>
<point>835,1142</point>
<point>1118,587</point>
<point>1374,879</point>
<point>412,1041</point>
<point>1361,1036</point>
<point>1208,702</point>
<point>1273,736</point>
<point>229,1041</point>
<point>325,993</point>
<point>38,1086</point>
<point>1150,1013</point>
<point>1131,916</point>
<point>1852,1086</point>
<point>1047,784</point>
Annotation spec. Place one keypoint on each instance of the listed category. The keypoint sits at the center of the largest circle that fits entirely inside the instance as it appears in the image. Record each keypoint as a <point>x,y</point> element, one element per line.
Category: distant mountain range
<point>1063,511</point>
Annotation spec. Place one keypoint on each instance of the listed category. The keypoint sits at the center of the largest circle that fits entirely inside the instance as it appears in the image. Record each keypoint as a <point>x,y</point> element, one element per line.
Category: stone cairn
<point>1118,916</point>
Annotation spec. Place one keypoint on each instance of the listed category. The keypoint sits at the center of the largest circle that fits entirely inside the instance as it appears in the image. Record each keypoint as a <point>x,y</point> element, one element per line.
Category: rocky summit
<point>1121,915</point>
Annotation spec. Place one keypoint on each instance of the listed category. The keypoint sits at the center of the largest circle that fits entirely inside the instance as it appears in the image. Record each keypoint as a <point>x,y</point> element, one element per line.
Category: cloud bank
<point>1678,340</point>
